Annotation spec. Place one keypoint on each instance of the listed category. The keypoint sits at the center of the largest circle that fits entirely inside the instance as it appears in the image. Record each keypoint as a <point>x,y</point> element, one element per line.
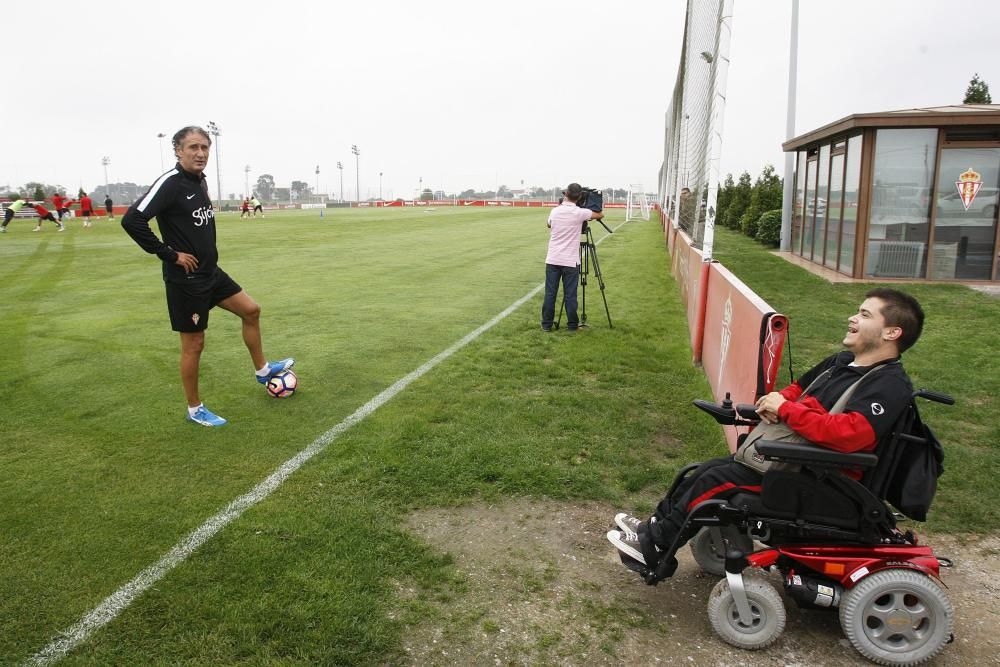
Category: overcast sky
<point>458,94</point>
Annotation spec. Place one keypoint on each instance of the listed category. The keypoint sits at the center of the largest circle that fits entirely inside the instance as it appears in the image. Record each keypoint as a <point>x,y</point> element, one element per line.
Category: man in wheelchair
<point>886,324</point>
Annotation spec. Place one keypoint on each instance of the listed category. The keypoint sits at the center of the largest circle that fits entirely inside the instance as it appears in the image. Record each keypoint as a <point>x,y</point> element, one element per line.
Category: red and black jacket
<point>869,415</point>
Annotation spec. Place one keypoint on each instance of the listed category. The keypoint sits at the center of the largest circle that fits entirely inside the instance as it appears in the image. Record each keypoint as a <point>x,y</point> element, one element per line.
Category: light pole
<point>317,180</point>
<point>246,181</point>
<point>380,186</point>
<point>357,172</point>
<point>106,161</point>
<point>420,188</point>
<point>160,137</point>
<point>213,129</point>
<point>340,166</point>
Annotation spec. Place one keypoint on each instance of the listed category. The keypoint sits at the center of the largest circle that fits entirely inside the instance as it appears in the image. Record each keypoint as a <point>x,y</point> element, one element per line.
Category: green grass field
<point>102,475</point>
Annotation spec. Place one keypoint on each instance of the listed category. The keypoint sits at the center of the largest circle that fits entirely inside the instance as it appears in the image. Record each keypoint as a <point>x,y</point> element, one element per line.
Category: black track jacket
<point>183,210</point>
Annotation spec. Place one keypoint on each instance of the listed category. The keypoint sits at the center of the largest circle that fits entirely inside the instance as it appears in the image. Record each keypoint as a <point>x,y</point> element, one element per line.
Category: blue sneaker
<point>206,417</point>
<point>275,367</point>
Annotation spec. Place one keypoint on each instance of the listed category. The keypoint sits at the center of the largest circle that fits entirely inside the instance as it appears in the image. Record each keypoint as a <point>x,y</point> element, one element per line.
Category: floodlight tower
<point>380,186</point>
<point>106,161</point>
<point>317,180</point>
<point>213,129</point>
<point>357,171</point>
<point>340,166</point>
<point>246,181</point>
<point>160,136</point>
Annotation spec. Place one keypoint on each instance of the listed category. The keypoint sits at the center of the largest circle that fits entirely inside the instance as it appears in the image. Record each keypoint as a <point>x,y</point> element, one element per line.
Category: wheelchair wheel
<point>766,609</point>
<point>897,617</point>
<point>709,556</point>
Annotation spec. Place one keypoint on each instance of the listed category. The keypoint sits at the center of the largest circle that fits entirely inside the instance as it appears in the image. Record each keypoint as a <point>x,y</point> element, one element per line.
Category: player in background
<point>44,214</point>
<point>245,209</point>
<point>64,209</point>
<point>87,209</point>
<point>109,206</point>
<point>57,204</point>
<point>8,213</point>
<point>257,206</point>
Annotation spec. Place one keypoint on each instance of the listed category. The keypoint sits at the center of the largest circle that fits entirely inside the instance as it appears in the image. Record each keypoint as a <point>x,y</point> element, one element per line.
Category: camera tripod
<point>588,256</point>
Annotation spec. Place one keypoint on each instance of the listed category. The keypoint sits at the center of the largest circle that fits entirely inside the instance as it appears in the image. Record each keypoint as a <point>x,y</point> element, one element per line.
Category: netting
<point>637,204</point>
<point>689,176</point>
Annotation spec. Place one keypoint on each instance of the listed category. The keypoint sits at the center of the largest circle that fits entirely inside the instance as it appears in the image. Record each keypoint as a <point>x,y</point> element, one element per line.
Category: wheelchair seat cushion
<point>794,495</point>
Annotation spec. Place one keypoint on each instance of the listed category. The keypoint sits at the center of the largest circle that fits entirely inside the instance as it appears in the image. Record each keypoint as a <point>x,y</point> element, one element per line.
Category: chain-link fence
<point>689,176</point>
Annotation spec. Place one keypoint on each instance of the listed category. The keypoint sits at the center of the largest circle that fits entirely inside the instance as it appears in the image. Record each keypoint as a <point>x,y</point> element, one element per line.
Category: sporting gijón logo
<point>203,215</point>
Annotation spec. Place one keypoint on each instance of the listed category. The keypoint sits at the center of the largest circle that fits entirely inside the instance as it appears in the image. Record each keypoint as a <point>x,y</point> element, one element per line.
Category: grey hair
<point>184,131</point>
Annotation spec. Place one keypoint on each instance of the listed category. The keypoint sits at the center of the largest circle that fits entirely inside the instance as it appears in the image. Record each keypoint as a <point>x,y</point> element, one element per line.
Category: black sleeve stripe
<point>154,189</point>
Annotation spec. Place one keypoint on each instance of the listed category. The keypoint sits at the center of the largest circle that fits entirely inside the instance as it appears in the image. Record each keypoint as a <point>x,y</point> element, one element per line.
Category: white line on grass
<point>118,601</point>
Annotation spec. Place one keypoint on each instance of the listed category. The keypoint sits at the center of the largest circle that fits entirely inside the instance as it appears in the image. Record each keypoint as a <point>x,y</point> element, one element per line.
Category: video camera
<point>592,199</point>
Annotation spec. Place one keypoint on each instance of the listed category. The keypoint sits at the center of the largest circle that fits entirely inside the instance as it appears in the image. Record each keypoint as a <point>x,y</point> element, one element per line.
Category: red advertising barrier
<point>743,341</point>
<point>741,338</point>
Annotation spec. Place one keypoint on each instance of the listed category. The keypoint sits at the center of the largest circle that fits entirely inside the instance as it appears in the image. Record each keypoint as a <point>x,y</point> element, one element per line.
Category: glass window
<point>822,195</point>
<point>852,177</point>
<point>899,217</point>
<point>800,198</point>
<point>833,209</point>
<point>810,209</point>
<point>966,221</point>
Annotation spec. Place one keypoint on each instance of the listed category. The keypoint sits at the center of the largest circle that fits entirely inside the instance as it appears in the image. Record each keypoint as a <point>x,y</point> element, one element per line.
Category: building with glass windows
<point>901,194</point>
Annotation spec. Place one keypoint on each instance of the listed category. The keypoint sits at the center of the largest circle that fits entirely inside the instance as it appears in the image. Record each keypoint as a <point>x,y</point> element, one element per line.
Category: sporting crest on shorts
<point>195,318</point>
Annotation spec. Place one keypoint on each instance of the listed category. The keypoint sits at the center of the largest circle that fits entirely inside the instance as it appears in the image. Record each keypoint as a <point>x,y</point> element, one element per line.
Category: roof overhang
<point>947,116</point>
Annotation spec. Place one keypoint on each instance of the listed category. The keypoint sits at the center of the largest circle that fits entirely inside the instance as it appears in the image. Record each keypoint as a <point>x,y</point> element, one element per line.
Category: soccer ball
<point>283,384</point>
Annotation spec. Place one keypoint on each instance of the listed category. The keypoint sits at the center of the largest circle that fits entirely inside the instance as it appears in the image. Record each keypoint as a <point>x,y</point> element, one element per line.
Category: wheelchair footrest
<point>650,576</point>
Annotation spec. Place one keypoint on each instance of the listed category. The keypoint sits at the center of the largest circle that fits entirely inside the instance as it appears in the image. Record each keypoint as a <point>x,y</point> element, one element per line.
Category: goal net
<point>637,207</point>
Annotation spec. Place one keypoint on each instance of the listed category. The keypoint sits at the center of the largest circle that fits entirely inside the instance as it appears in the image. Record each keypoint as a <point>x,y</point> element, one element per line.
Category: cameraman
<point>563,259</point>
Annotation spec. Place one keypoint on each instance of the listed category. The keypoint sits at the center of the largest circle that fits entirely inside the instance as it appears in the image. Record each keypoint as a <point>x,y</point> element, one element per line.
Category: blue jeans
<point>570,279</point>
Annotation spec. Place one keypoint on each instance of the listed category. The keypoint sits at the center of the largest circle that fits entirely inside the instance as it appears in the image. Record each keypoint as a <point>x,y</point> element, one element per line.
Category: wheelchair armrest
<point>724,416</point>
<point>803,452</point>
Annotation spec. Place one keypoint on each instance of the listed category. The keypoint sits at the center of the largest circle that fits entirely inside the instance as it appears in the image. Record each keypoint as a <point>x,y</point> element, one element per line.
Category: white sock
<point>193,410</point>
<point>261,372</point>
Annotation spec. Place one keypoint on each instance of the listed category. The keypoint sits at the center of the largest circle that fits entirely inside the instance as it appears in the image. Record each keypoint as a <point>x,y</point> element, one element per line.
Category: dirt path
<point>543,586</point>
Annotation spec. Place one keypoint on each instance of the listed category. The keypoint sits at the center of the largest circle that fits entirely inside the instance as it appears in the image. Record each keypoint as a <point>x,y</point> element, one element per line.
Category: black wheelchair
<point>834,540</point>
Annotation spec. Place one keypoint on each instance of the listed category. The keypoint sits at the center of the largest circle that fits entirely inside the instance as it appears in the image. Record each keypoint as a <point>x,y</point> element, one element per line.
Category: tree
<point>426,195</point>
<point>766,196</point>
<point>725,196</point>
<point>33,188</point>
<point>740,201</point>
<point>978,92</point>
<point>504,192</point>
<point>265,186</point>
<point>467,194</point>
<point>300,189</point>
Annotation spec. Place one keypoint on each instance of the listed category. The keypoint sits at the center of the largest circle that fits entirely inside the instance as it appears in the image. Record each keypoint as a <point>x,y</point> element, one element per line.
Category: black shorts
<point>189,302</point>
<point>258,208</point>
<point>86,214</point>
<point>8,215</point>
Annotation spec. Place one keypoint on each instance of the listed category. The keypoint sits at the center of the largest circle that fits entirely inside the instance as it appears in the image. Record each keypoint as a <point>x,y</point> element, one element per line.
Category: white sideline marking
<point>118,601</point>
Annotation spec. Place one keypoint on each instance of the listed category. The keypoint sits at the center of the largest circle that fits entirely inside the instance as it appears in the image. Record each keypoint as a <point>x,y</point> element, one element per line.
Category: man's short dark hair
<point>184,131</point>
<point>903,311</point>
<point>573,192</point>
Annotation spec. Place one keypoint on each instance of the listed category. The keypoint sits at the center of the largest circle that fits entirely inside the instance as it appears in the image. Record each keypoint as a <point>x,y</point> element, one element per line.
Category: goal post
<point>637,204</point>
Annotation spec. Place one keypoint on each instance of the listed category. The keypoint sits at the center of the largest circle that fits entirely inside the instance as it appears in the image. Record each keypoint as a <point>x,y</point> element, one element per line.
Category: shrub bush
<point>769,228</point>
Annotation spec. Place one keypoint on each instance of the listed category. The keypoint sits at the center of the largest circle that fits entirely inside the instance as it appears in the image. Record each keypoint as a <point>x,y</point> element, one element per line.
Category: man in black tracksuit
<point>194,281</point>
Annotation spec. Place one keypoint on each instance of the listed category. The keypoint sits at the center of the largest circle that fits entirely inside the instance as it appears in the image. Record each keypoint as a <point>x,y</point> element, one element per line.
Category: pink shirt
<point>566,221</point>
